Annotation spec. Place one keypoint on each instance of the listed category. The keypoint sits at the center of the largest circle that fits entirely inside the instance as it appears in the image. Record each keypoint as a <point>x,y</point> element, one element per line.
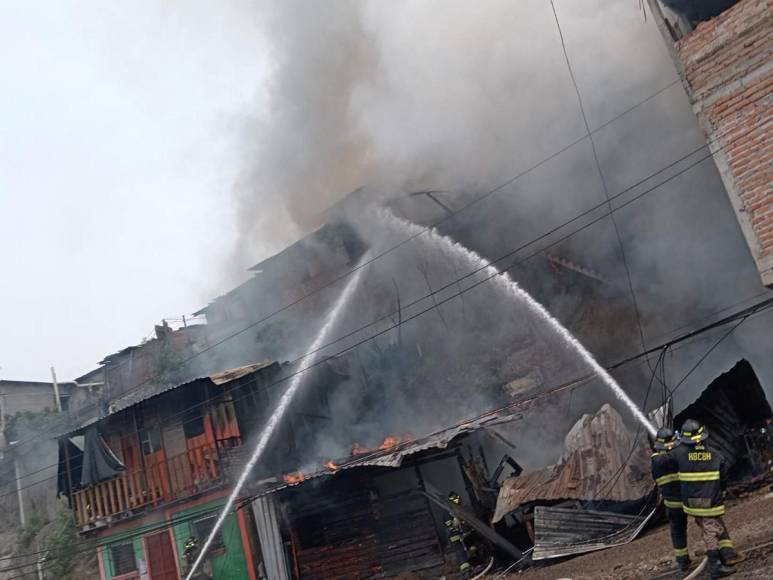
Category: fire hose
<point>701,567</point>
<point>485,570</point>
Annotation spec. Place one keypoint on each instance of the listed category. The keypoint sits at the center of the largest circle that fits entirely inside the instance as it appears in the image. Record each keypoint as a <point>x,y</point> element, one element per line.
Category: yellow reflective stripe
<point>681,552</point>
<point>670,478</point>
<point>726,544</point>
<point>674,505</point>
<point>705,512</point>
<point>699,476</point>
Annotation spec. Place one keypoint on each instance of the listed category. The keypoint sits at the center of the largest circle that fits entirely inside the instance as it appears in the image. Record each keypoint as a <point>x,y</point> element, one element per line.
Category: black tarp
<point>69,454</point>
<point>696,11</point>
<point>99,462</point>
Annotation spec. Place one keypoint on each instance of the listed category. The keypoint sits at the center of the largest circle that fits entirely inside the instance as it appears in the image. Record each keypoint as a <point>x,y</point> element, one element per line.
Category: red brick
<point>717,53</point>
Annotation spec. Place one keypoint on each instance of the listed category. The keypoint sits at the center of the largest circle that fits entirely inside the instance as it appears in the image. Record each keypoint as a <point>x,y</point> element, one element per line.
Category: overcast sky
<point>116,157</point>
<point>127,127</point>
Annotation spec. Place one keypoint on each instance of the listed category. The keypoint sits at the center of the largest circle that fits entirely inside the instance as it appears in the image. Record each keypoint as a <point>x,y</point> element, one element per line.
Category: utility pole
<point>56,391</point>
<point>22,517</point>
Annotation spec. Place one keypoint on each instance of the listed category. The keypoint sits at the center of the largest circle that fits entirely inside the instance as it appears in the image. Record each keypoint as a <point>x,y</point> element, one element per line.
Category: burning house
<point>355,478</point>
<point>151,475</point>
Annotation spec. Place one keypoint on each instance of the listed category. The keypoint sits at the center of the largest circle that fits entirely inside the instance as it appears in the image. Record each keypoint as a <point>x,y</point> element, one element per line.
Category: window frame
<point>127,574</point>
<point>218,547</point>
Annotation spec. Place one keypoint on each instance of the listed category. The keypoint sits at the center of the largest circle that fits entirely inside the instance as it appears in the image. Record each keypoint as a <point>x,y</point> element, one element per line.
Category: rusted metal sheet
<point>394,456</point>
<point>152,390</point>
<point>232,374</point>
<point>601,462</point>
<point>564,532</point>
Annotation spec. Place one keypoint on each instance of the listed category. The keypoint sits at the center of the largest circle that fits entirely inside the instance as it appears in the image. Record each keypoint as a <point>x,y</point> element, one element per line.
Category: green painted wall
<point>229,564</point>
<point>104,547</point>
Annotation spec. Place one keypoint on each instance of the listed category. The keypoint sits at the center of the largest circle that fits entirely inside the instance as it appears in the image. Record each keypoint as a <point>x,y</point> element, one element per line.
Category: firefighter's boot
<point>683,562</point>
<point>716,568</point>
<point>729,556</point>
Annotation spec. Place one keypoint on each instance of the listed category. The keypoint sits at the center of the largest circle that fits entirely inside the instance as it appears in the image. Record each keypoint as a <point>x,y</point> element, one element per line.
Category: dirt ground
<point>749,520</point>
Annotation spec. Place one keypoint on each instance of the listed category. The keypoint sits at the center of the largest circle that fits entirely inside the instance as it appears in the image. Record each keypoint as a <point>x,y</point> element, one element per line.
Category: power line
<point>605,188</point>
<point>526,401</point>
<point>446,218</point>
<point>455,282</point>
<point>508,254</point>
<point>95,545</point>
<point>472,273</point>
<point>709,351</point>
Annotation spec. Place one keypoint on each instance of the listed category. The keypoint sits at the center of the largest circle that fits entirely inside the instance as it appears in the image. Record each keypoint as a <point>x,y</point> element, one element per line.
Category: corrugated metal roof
<point>595,466</point>
<point>239,372</point>
<point>565,532</point>
<point>151,390</point>
<point>394,456</point>
<point>733,403</point>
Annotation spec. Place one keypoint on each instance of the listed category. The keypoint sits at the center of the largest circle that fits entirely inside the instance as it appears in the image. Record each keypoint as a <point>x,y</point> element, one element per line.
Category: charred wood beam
<point>483,529</point>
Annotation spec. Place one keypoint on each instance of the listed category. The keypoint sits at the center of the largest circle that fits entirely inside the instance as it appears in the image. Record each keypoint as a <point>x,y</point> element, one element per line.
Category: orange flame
<point>358,449</point>
<point>330,464</point>
<point>389,442</point>
<point>293,478</point>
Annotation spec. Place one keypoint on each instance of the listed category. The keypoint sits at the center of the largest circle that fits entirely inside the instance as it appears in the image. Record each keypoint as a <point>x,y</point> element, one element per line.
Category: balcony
<point>156,483</point>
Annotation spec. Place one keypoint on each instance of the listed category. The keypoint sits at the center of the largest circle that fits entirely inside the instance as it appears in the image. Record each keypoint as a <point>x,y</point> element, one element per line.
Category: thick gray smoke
<point>458,97</point>
<point>443,95</point>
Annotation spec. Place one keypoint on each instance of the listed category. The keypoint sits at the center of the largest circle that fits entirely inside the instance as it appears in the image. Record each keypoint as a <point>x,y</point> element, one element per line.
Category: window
<point>151,439</point>
<point>202,528</point>
<point>122,556</point>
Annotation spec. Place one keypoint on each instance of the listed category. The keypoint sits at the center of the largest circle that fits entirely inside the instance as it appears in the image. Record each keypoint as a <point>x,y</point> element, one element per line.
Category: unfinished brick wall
<point>727,65</point>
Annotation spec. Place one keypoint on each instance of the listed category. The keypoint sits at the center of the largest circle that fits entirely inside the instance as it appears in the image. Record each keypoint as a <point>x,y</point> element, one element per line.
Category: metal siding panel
<point>264,509</point>
<point>563,532</point>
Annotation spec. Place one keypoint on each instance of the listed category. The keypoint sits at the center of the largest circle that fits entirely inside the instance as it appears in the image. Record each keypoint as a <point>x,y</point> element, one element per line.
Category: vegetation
<point>26,424</point>
<point>169,365</point>
<point>65,548</point>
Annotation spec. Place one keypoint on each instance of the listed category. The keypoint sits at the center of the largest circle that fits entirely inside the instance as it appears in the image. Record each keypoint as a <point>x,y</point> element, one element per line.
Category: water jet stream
<point>513,289</point>
<point>281,409</point>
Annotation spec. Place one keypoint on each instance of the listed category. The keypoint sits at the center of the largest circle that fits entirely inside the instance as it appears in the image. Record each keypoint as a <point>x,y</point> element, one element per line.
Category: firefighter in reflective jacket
<point>459,537</point>
<point>665,472</point>
<point>702,478</point>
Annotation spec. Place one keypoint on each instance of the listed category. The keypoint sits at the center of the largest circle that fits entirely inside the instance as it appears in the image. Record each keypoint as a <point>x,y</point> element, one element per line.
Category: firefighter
<point>702,478</point>
<point>466,544</point>
<point>665,472</point>
<point>190,554</point>
<point>458,530</point>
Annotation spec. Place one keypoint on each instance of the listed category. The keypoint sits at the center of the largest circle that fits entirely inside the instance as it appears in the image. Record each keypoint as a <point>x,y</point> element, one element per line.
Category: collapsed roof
<point>602,462</point>
<point>731,405</point>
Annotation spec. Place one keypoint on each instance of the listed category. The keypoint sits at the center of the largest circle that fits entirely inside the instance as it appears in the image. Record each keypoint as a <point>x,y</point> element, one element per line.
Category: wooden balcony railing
<point>158,482</point>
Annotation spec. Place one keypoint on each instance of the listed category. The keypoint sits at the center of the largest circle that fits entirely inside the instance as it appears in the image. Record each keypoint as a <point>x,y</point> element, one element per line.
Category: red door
<point>161,560</point>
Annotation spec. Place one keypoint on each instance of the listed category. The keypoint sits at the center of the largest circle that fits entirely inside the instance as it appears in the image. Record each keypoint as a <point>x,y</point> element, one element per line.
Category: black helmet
<point>693,432</point>
<point>665,439</point>
<point>453,497</point>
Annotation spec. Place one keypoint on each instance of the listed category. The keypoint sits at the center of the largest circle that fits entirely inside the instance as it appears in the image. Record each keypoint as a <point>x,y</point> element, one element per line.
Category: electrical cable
<point>492,262</point>
<point>747,313</point>
<point>460,291</point>
<point>604,186</point>
<point>245,501</point>
<point>95,545</point>
<point>508,254</point>
<point>616,476</point>
<point>453,214</point>
<point>708,352</point>
<point>182,363</point>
